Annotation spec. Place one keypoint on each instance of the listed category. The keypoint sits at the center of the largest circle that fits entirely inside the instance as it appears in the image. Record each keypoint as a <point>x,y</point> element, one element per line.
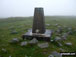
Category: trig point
<point>38,30</point>
<point>38,21</point>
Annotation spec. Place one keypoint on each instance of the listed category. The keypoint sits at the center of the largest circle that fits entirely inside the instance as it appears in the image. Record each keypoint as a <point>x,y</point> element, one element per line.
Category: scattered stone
<point>59,31</point>
<point>10,56</point>
<point>50,56</point>
<point>52,31</point>
<point>56,54</point>
<point>74,30</point>
<point>33,41</point>
<point>65,26</point>
<point>62,50</point>
<point>52,40</point>
<point>56,24</point>
<point>4,50</point>
<point>64,36</point>
<point>47,24</point>
<point>59,27</point>
<point>23,43</point>
<point>70,29</point>
<point>20,26</point>
<point>57,39</point>
<point>14,40</point>
<point>26,56</point>
<point>12,27</point>
<point>68,44</point>
<point>59,44</point>
<point>70,32</point>
<point>43,45</point>
<point>14,32</point>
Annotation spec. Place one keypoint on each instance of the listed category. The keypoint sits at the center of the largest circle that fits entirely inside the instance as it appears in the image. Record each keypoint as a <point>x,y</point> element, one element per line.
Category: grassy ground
<point>21,25</point>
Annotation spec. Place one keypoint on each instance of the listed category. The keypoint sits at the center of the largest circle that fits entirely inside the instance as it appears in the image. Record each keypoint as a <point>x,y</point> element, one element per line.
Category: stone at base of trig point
<point>44,37</point>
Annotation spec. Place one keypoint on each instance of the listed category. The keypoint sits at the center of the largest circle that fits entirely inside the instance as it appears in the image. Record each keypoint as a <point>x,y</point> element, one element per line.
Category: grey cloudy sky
<point>13,8</point>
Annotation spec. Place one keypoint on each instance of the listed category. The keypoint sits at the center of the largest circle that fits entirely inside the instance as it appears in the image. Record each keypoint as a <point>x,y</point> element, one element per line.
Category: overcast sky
<point>13,8</point>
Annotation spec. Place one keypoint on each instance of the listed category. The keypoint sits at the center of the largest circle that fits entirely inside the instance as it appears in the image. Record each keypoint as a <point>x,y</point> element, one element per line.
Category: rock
<point>56,54</point>
<point>70,32</point>
<point>23,43</point>
<point>64,36</point>
<point>47,24</point>
<point>56,24</point>
<point>12,27</point>
<point>62,50</point>
<point>57,39</point>
<point>70,29</point>
<point>26,56</point>
<point>20,26</point>
<point>52,31</point>
<point>14,40</point>
<point>14,32</point>
<point>43,45</point>
<point>52,40</point>
<point>74,30</point>
<point>59,31</point>
<point>33,41</point>
<point>65,26</point>
<point>59,26</point>
<point>59,44</point>
<point>68,44</point>
<point>50,56</point>
<point>4,50</point>
<point>10,56</point>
